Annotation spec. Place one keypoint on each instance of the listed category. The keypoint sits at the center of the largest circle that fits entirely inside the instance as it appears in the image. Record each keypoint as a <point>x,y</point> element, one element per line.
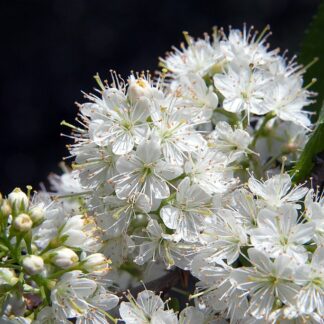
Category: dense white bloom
<point>147,308</point>
<point>286,98</point>
<point>276,191</point>
<point>186,214</point>
<point>244,89</point>
<point>122,123</point>
<point>175,131</point>
<point>76,296</point>
<point>224,236</point>
<point>246,206</point>
<point>77,231</point>
<point>234,143</point>
<point>196,101</point>
<point>159,245</point>
<point>217,290</point>
<point>266,281</point>
<point>281,233</point>
<point>114,215</point>
<point>210,170</point>
<point>247,48</point>
<point>199,57</point>
<point>67,183</point>
<point>96,165</point>
<point>145,171</point>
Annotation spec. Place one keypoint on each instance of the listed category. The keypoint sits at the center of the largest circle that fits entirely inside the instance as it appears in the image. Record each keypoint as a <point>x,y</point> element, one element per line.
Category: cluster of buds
<point>30,272</point>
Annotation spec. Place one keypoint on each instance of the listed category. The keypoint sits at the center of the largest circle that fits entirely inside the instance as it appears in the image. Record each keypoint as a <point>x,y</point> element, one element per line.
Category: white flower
<point>199,57</point>
<point>122,123</point>
<point>80,232</point>
<point>311,277</point>
<point>197,99</point>
<point>33,264</point>
<point>67,183</point>
<point>145,171</point>
<point>224,236</point>
<point>233,143</point>
<point>186,215</point>
<point>244,89</point>
<point>247,48</point>
<point>63,257</point>
<point>77,231</point>
<point>246,206</point>
<point>96,165</point>
<point>158,245</point>
<point>217,291</point>
<point>287,99</point>
<point>76,296</point>
<point>176,134</point>
<point>266,281</point>
<point>114,215</point>
<point>276,191</point>
<point>281,233</point>
<point>147,308</point>
<point>191,315</point>
<point>210,170</point>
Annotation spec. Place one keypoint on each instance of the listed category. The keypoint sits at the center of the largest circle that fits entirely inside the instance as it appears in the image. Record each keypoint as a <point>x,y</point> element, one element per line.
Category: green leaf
<point>313,47</point>
<point>314,146</point>
<point>174,304</point>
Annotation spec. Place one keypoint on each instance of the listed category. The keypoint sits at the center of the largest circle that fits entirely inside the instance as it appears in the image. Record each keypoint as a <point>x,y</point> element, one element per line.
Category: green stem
<point>258,133</point>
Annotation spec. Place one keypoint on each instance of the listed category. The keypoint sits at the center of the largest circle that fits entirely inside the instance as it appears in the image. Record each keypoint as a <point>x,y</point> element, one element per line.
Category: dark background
<point>50,49</point>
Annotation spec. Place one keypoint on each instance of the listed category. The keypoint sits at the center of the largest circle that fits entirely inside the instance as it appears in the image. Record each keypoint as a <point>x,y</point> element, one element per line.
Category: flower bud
<point>5,208</point>
<point>138,88</point>
<point>96,262</point>
<point>64,258</point>
<point>33,264</point>
<point>8,277</point>
<point>37,214</point>
<point>18,199</point>
<point>22,223</point>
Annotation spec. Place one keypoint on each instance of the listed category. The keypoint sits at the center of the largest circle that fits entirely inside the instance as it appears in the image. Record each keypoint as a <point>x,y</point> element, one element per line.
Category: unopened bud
<point>8,276</point>
<point>96,262</point>
<point>138,88</point>
<point>37,214</point>
<point>33,264</point>
<point>5,208</point>
<point>22,223</point>
<point>64,257</point>
<point>18,199</point>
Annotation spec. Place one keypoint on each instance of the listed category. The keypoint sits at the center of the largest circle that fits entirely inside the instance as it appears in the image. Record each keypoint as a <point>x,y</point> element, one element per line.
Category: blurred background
<point>50,49</point>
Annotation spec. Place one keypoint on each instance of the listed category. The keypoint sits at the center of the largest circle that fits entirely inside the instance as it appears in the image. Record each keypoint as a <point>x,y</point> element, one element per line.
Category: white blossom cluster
<point>187,171</point>
<point>49,257</point>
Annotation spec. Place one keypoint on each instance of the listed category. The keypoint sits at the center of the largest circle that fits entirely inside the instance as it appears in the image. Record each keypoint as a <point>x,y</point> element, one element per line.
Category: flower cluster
<point>185,170</point>
<point>49,262</point>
